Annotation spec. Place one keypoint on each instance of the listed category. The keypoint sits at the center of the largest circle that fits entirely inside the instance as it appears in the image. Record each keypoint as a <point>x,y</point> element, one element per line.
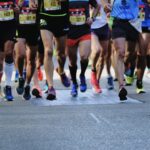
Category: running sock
<point>132,71</point>
<point>73,72</point>
<point>8,68</point>
<point>84,64</point>
<point>148,61</point>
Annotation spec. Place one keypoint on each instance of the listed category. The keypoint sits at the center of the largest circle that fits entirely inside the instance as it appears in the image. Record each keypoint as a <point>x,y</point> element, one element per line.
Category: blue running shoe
<point>74,90</point>
<point>110,83</point>
<point>16,76</point>
<point>83,86</point>
<point>8,93</point>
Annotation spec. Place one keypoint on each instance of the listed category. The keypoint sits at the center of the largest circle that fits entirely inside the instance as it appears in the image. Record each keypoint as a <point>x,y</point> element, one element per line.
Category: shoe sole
<point>51,97</point>
<point>36,93</point>
<point>95,91</point>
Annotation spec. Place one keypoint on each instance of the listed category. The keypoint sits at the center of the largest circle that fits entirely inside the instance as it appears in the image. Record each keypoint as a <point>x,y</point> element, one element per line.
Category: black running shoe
<point>122,94</point>
<point>26,94</point>
<point>51,95</point>
<point>20,87</point>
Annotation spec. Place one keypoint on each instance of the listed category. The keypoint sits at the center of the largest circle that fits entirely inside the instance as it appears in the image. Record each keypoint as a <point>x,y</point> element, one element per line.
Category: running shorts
<point>28,32</point>
<point>59,26</point>
<point>122,28</point>
<point>7,32</point>
<point>102,33</point>
<point>73,42</point>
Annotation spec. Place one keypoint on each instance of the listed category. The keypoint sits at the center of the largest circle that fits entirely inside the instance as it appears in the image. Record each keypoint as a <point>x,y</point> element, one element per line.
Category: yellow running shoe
<point>129,80</point>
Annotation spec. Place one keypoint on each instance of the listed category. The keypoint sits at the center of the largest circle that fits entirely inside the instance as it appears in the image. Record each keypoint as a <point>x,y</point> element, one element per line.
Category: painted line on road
<point>95,118</point>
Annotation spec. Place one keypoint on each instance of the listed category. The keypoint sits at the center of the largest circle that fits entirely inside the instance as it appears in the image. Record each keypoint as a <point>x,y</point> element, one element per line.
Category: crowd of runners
<point>112,33</point>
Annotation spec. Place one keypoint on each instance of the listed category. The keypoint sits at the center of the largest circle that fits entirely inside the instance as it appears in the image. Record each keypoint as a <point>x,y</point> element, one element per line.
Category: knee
<point>48,53</point>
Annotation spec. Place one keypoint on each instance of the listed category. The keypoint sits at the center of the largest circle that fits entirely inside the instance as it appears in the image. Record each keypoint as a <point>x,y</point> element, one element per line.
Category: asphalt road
<point>80,124</point>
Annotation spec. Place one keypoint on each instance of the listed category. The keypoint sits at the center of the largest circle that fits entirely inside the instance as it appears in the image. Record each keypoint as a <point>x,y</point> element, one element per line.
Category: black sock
<point>84,64</point>
<point>139,83</point>
<point>73,71</point>
<point>132,71</point>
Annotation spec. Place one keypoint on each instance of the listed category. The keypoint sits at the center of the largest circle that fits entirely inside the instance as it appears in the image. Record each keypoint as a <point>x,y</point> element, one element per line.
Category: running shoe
<point>129,80</point>
<point>20,87</point>
<point>8,93</point>
<point>37,92</point>
<point>51,95</point>
<point>16,76</point>
<point>122,93</point>
<point>46,87</point>
<point>74,90</point>
<point>64,79</point>
<point>26,94</point>
<point>139,87</point>
<point>110,83</point>
<point>83,86</point>
<point>95,85</point>
<point>40,74</point>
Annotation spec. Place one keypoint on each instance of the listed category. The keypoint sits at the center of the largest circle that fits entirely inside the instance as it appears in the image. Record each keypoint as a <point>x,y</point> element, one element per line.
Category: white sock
<point>8,68</point>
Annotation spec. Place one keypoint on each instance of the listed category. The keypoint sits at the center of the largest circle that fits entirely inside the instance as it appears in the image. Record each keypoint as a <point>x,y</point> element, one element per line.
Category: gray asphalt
<point>122,126</point>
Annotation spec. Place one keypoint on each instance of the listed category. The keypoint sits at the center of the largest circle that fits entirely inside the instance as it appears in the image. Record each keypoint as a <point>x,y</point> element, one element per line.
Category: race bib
<point>50,5</point>
<point>27,16</point>
<point>77,16</point>
<point>6,11</point>
<point>142,13</point>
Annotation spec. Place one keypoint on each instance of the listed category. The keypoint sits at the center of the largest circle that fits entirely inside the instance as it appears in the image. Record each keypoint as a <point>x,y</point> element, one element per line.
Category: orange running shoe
<point>95,85</point>
<point>40,74</point>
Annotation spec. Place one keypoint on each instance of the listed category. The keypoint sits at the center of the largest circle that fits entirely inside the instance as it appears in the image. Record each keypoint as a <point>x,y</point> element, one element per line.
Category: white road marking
<point>95,118</point>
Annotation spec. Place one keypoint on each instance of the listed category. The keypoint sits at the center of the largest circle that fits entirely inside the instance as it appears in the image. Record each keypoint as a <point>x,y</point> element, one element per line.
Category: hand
<point>33,4</point>
<point>89,21</point>
<point>16,9</point>
<point>107,8</point>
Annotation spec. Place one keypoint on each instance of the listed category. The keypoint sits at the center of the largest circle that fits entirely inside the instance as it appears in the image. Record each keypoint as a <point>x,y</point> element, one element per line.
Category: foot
<point>26,94</point>
<point>110,83</point>
<point>95,85</point>
<point>37,92</point>
<point>8,93</point>
<point>139,87</point>
<point>129,80</point>
<point>51,95</point>
<point>64,79</point>
<point>74,90</point>
<point>20,87</point>
<point>122,93</point>
<point>83,86</point>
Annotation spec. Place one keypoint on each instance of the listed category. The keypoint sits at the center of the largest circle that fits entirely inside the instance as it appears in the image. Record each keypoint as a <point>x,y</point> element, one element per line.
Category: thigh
<point>95,44</point>
<point>47,38</point>
<point>85,49</point>
<point>61,43</point>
